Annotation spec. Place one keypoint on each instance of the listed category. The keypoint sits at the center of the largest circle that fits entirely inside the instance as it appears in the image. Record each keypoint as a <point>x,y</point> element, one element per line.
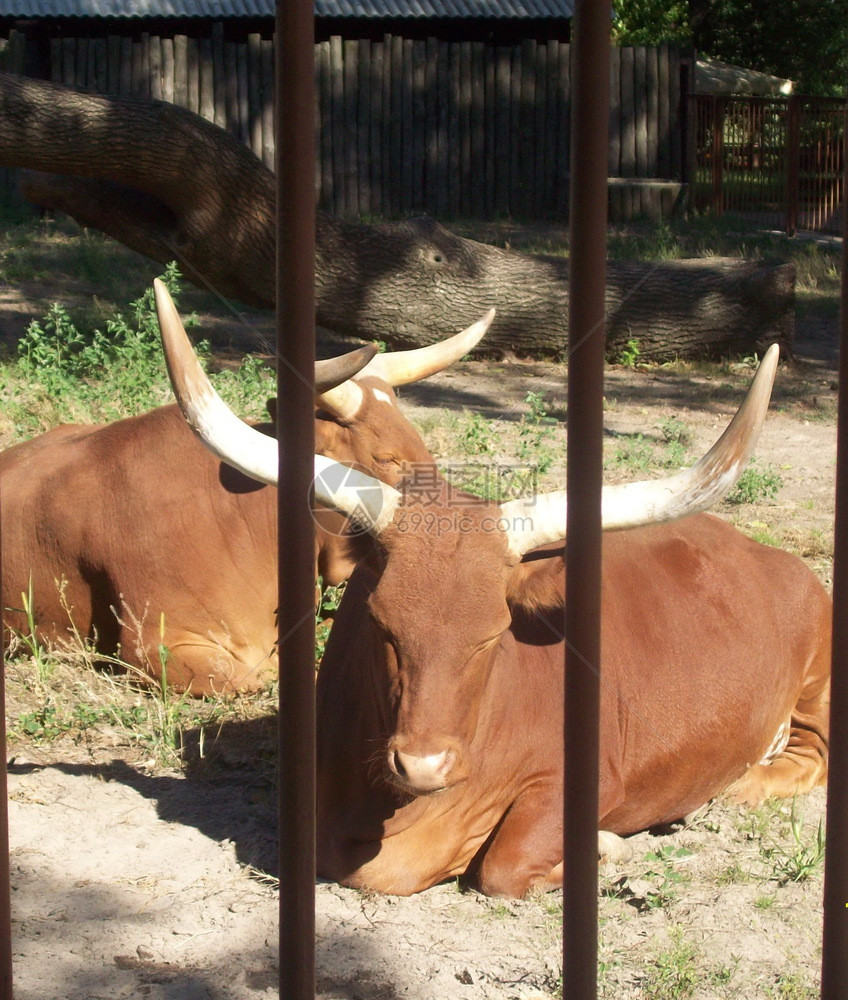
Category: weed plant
<point>674,973</point>
<point>800,858</point>
<point>664,874</point>
<point>30,641</point>
<point>756,484</point>
<point>68,372</point>
<point>78,692</point>
<point>328,604</point>
<point>478,435</point>
<point>536,445</point>
<point>629,355</point>
<point>792,986</point>
<point>633,454</point>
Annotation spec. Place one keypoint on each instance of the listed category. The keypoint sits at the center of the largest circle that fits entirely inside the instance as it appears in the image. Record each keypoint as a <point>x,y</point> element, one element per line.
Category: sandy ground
<point>131,880</point>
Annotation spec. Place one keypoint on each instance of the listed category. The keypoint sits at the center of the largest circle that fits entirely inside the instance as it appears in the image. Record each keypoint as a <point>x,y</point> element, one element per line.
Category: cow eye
<point>385,460</point>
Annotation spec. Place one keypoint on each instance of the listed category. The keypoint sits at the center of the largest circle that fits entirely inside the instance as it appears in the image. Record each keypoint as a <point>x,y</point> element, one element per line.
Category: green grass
<point>792,986</point>
<point>477,435</point>
<point>798,856</point>
<point>756,484</point>
<point>673,973</point>
<point>663,871</point>
<point>66,370</point>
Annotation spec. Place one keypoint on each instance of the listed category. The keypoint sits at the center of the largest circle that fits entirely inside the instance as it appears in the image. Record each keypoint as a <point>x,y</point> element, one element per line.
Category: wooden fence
<point>449,128</point>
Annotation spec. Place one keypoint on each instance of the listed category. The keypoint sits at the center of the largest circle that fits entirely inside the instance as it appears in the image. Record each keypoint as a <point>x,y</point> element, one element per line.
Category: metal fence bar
<point>775,159</point>
<point>835,924</point>
<point>5,888</point>
<point>296,436</point>
<point>793,155</point>
<point>718,106</point>
<point>590,138</point>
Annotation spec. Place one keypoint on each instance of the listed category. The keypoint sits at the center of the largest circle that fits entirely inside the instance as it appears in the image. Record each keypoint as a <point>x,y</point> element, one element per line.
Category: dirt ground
<point>131,880</point>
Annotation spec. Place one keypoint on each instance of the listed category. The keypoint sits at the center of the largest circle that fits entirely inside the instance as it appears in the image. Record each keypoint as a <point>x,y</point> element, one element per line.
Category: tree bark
<point>172,186</point>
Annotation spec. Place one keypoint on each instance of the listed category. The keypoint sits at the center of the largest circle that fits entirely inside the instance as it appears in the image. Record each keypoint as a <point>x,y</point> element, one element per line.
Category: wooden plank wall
<point>12,54</point>
<point>450,128</point>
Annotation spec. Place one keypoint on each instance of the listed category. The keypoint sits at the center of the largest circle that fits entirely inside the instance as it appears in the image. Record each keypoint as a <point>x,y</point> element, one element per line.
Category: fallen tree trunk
<point>173,186</point>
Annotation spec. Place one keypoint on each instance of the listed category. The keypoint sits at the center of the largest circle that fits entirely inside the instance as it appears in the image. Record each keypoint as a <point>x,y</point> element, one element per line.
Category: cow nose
<point>422,774</point>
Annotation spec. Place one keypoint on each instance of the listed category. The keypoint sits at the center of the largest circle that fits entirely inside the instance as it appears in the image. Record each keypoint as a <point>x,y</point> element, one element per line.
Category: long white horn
<point>329,373</point>
<point>403,367</point>
<point>344,401</point>
<point>534,521</point>
<point>367,501</point>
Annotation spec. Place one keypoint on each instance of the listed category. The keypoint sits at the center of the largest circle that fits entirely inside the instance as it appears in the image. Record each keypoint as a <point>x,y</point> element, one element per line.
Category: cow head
<point>358,421</point>
<point>448,567</point>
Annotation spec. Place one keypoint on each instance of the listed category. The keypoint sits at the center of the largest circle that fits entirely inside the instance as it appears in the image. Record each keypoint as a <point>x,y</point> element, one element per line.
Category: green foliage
<point>42,725</point>
<point>49,722</point>
<point>755,485</point>
<point>331,598</point>
<point>673,974</point>
<point>660,241</point>
<point>169,709</point>
<point>536,434</point>
<point>114,371</point>
<point>68,372</point>
<point>674,430</point>
<point>801,858</point>
<point>633,453</point>
<point>662,871</point>
<point>629,354</point>
<point>651,22</point>
<point>798,40</point>
<point>478,435</point>
<point>792,986</point>
<point>760,532</point>
<point>247,387</point>
<point>29,640</point>
<point>675,456</point>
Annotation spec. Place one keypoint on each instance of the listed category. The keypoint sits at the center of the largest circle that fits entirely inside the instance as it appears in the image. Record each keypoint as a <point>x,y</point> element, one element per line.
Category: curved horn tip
<point>332,372</point>
<point>772,356</point>
<point>161,293</point>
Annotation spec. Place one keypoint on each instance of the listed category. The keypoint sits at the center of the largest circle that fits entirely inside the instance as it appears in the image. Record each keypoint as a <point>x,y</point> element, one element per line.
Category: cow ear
<point>271,407</point>
<point>537,583</point>
<point>329,438</point>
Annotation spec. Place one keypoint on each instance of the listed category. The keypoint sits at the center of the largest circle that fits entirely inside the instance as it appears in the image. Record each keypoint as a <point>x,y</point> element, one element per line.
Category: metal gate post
<point>718,107</point>
<point>5,888</point>
<point>793,164</point>
<point>835,923</point>
<point>295,143</point>
<point>586,343</point>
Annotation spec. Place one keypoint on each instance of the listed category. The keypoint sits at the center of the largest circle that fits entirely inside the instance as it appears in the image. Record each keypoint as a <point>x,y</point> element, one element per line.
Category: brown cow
<point>440,693</point>
<point>140,521</point>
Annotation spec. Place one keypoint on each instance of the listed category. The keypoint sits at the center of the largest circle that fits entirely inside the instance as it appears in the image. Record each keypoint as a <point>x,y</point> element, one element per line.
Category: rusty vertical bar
<point>718,110</point>
<point>793,154</point>
<point>5,888</point>
<point>294,134</point>
<point>835,923</point>
<point>690,159</point>
<point>587,283</point>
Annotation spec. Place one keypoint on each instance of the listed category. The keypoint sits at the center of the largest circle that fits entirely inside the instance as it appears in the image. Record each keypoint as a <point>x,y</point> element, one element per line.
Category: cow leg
<point>207,668</point>
<point>802,764</point>
<point>525,850</point>
<point>616,850</point>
